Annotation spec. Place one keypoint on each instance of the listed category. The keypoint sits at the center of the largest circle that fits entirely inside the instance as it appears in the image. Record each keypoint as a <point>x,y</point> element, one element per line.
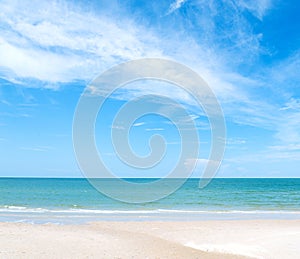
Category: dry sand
<point>200,239</point>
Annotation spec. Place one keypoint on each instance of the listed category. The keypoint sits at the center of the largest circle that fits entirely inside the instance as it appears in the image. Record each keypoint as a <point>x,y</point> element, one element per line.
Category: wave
<point>22,209</point>
<point>233,211</point>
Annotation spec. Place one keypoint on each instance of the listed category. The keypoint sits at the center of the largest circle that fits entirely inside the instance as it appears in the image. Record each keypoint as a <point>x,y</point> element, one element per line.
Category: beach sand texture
<point>199,239</point>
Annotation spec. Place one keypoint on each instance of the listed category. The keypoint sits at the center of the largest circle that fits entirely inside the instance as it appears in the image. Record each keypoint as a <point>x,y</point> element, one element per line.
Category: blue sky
<point>247,51</point>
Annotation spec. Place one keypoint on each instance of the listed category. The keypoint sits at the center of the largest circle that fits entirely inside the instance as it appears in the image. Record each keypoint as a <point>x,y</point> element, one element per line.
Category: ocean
<point>75,201</point>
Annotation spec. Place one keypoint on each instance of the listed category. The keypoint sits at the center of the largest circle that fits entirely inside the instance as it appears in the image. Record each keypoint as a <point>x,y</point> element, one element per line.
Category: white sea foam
<point>8,208</point>
<point>79,216</point>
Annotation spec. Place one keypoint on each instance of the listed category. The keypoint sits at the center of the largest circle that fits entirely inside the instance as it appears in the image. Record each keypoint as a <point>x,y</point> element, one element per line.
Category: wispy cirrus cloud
<point>155,129</point>
<point>58,43</point>
<point>256,7</point>
<point>37,148</point>
<point>138,124</point>
<point>62,43</point>
<point>175,5</point>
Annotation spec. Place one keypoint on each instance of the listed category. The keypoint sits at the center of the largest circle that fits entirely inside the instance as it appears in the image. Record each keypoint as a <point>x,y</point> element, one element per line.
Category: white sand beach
<point>199,239</point>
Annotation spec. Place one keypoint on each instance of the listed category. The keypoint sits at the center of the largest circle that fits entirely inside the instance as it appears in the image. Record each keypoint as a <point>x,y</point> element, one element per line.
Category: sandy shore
<point>201,239</point>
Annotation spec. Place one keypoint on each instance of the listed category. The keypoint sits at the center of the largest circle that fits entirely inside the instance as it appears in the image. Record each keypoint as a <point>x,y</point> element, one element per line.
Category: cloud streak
<point>63,43</point>
<point>59,45</point>
<point>175,5</point>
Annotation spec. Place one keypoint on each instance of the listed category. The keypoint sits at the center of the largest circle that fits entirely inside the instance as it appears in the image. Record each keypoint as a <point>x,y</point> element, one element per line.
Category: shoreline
<point>154,239</point>
<point>82,216</point>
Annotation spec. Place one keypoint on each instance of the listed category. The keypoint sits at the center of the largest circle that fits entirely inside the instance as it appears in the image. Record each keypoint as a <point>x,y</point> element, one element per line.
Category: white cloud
<point>155,129</point>
<point>257,7</point>
<point>287,71</point>
<point>235,141</point>
<point>5,102</point>
<point>117,127</point>
<point>58,45</point>
<point>199,163</point>
<point>137,124</point>
<point>61,43</point>
<point>36,63</point>
<point>292,104</point>
<point>289,128</point>
<point>175,5</point>
<point>289,147</point>
<point>37,149</point>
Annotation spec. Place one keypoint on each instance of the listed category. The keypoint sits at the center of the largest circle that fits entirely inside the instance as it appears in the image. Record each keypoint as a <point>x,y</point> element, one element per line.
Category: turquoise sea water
<point>76,201</point>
